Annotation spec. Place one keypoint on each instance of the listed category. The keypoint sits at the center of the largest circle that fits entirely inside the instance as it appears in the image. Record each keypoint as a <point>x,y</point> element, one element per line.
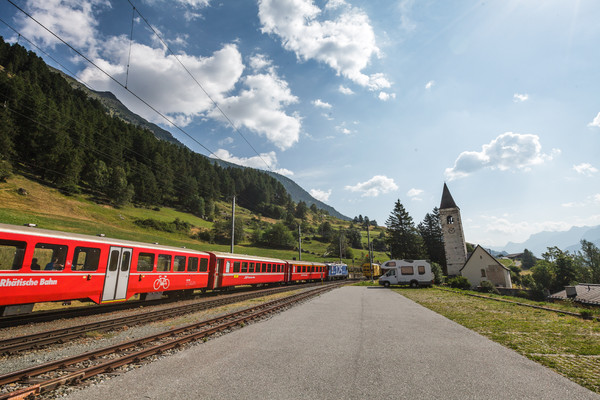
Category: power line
<point>199,84</point>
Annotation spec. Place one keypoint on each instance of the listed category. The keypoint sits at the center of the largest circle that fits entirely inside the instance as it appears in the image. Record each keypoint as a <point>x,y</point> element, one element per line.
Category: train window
<point>179,264</point>
<point>164,263</point>
<point>114,260</point>
<point>145,262</point>
<point>203,264</point>
<point>245,266</point>
<point>407,270</point>
<point>11,255</point>
<point>193,264</point>
<point>264,267</point>
<point>269,266</point>
<point>50,257</point>
<point>236,267</point>
<point>251,269</point>
<point>85,259</point>
<point>125,261</point>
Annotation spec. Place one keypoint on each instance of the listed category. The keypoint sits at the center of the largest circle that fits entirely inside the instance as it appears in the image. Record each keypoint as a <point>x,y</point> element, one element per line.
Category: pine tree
<point>431,232</point>
<point>402,236</point>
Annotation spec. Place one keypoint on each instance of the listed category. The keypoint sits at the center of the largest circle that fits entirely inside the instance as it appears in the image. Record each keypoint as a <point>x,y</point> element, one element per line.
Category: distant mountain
<point>295,191</point>
<point>564,240</point>
<point>117,109</point>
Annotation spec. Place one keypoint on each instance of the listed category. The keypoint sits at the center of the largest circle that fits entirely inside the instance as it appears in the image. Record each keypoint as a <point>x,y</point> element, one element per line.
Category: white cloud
<point>383,96</point>
<point>587,201</point>
<point>345,90</point>
<point>320,195</point>
<point>343,129</point>
<point>333,4</point>
<point>585,169</point>
<point>429,85</point>
<point>595,122</point>
<point>259,61</point>
<point>157,77</point>
<point>321,104</point>
<point>227,140</point>
<point>346,44</point>
<point>415,194</point>
<point>74,21</point>
<point>519,98</point>
<point>509,151</point>
<point>259,107</point>
<point>375,186</point>
<point>257,162</point>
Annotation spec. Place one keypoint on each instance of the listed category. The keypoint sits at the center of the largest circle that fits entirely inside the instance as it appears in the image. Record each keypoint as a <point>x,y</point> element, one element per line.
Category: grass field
<point>568,345</point>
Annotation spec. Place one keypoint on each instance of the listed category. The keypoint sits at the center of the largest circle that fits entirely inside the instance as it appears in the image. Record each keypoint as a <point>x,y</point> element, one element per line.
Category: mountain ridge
<point>568,240</point>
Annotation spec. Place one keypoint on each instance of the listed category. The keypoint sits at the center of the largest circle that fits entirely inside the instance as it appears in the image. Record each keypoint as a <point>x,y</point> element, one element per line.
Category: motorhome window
<point>179,264</point>
<point>391,263</point>
<point>236,267</point>
<point>193,264</point>
<point>85,259</point>
<point>145,262</point>
<point>50,256</point>
<point>203,264</point>
<point>164,263</point>
<point>407,270</point>
<point>11,255</point>
<point>421,269</point>
<point>245,266</point>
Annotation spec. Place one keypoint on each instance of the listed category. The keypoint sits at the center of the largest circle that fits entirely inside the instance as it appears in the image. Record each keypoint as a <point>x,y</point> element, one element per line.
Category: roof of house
<point>447,200</point>
<point>486,252</point>
<point>587,293</point>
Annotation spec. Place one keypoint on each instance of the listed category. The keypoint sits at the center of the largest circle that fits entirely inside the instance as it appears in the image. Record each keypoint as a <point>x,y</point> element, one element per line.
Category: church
<point>478,266</point>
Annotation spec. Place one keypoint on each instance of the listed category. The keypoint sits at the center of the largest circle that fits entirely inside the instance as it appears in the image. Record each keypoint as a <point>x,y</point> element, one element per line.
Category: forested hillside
<point>58,134</point>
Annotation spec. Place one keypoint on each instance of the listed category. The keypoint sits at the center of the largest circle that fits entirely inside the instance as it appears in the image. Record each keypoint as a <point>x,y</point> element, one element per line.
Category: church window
<point>450,220</point>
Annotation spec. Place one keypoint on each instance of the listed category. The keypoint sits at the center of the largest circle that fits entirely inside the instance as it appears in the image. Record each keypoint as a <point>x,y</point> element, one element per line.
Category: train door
<point>117,274</point>
<point>288,269</point>
<point>219,273</point>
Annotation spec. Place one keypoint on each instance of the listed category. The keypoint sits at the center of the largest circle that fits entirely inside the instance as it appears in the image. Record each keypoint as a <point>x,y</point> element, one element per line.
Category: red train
<point>38,265</point>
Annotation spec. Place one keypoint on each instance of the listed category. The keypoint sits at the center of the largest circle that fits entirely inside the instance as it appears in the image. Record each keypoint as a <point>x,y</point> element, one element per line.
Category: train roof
<point>296,262</point>
<point>246,257</point>
<point>27,230</point>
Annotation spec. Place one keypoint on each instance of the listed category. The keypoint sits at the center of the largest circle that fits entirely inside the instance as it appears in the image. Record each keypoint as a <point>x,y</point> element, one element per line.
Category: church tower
<point>454,238</point>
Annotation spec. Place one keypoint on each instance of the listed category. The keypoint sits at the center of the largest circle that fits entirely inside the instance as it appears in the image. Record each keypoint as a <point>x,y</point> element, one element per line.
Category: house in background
<point>482,266</point>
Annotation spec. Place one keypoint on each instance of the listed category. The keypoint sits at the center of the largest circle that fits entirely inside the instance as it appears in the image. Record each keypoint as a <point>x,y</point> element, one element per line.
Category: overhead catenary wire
<point>199,85</point>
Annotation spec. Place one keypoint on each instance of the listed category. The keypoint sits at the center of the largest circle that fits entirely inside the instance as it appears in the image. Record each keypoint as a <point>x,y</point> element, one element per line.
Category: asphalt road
<point>351,343</point>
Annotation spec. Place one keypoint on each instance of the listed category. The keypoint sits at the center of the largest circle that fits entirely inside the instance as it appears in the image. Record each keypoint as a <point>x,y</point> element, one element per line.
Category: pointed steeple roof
<point>447,200</point>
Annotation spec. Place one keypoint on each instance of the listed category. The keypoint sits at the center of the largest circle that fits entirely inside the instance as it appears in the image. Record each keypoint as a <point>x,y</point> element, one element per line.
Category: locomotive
<point>40,265</point>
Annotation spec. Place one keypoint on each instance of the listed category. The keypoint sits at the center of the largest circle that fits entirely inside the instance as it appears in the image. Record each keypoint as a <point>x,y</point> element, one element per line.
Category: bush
<point>459,282</point>
<point>487,287</point>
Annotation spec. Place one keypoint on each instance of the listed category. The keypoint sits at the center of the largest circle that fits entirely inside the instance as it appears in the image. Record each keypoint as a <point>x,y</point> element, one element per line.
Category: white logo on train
<point>162,281</point>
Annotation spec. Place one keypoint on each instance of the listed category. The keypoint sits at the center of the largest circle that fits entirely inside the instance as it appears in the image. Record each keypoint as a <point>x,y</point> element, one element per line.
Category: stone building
<point>454,237</point>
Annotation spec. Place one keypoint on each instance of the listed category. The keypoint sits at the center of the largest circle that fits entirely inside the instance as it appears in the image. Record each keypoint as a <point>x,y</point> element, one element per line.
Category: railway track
<point>46,377</point>
<point>75,312</point>
<point>39,340</point>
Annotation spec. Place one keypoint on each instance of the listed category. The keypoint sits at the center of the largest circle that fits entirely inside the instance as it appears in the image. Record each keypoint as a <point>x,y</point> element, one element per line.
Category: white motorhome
<point>406,272</point>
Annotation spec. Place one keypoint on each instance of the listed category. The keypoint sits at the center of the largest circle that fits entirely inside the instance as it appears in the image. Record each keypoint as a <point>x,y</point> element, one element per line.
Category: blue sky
<point>365,102</point>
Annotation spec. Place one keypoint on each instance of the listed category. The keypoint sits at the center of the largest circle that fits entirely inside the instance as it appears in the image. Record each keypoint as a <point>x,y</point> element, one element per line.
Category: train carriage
<point>306,271</point>
<point>236,269</point>
<point>38,265</point>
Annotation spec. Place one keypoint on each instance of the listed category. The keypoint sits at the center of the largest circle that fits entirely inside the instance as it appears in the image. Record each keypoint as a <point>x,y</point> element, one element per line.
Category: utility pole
<point>340,245</point>
<point>369,250</point>
<point>232,223</point>
<point>299,244</point>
